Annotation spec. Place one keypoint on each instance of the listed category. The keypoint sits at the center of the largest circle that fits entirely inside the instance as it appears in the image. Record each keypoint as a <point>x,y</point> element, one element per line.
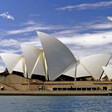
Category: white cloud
<point>29,23</point>
<point>109,18</point>
<point>10,50</point>
<point>89,39</point>
<point>35,28</point>
<point>31,26</point>
<point>2,69</point>
<point>14,45</point>
<point>28,29</point>
<point>8,42</point>
<point>87,6</point>
<point>105,25</point>
<point>7,16</point>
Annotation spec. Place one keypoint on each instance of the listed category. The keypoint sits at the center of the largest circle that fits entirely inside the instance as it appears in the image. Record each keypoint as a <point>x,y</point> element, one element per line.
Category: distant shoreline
<point>58,93</point>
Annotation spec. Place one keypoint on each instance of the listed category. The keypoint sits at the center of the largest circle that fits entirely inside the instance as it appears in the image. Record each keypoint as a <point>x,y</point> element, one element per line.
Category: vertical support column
<point>24,68</point>
<point>45,67</point>
<point>75,71</point>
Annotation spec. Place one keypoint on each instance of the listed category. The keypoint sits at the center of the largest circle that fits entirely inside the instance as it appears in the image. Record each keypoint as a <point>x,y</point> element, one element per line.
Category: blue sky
<point>85,26</point>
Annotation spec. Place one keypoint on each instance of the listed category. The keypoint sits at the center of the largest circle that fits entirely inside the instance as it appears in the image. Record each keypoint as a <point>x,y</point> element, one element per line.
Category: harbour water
<point>55,103</point>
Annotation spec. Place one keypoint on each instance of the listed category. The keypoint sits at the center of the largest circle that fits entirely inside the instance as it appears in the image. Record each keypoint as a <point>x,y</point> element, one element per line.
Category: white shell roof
<point>81,72</point>
<point>70,71</point>
<point>39,68</point>
<point>10,60</point>
<point>93,64</point>
<point>31,55</point>
<point>58,56</point>
<point>108,71</point>
<point>21,67</point>
<point>33,59</point>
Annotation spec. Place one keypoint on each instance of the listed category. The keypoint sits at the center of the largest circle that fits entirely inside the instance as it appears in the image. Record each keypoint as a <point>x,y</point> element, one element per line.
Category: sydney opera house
<point>54,68</point>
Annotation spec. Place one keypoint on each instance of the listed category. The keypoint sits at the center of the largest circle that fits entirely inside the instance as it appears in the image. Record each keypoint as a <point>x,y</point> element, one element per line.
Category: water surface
<point>55,103</point>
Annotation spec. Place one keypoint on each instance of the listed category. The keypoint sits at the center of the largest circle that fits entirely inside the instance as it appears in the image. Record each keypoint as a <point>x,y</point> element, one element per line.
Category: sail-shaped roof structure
<point>33,56</point>
<point>10,60</point>
<point>21,67</point>
<point>93,64</point>
<point>108,71</point>
<point>58,56</point>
